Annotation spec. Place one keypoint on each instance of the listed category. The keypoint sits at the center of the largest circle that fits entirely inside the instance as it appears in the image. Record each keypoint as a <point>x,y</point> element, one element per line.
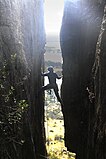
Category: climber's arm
<point>58,77</point>
<point>44,74</point>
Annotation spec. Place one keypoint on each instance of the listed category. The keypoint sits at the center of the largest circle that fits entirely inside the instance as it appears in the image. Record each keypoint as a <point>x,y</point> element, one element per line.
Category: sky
<point>53,16</point>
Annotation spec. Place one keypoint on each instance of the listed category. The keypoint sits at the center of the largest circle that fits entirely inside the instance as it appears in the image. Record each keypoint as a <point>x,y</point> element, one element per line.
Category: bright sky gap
<point>53,16</point>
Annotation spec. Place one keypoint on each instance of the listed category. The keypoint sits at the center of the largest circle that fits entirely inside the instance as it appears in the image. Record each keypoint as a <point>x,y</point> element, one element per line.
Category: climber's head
<point>50,69</point>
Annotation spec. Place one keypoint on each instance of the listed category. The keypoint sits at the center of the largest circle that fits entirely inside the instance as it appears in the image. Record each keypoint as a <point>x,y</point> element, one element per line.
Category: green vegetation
<point>12,108</point>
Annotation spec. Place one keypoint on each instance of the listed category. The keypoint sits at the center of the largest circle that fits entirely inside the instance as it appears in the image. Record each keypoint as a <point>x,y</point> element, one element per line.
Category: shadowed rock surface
<point>22,41</point>
<point>97,115</point>
<point>79,35</point>
<point>22,38</point>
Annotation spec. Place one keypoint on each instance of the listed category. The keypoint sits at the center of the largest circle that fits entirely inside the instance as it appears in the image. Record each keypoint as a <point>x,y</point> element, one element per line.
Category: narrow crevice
<point>54,121</point>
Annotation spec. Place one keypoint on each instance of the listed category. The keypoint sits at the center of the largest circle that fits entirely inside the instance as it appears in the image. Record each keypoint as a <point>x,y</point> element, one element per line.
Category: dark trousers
<point>55,88</point>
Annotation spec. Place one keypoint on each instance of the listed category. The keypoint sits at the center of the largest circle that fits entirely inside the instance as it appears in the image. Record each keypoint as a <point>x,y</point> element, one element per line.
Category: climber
<point>52,82</point>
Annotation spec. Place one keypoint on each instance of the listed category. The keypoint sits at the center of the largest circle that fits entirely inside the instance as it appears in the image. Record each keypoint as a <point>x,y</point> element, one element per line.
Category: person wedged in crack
<point>52,76</point>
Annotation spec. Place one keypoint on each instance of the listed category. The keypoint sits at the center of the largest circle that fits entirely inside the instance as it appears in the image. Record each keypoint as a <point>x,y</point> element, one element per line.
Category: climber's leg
<point>47,87</point>
<point>57,94</point>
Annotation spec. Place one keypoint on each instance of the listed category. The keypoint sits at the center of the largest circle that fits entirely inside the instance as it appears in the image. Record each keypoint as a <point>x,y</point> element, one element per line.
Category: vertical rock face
<point>22,36</point>
<point>79,35</point>
<point>97,125</point>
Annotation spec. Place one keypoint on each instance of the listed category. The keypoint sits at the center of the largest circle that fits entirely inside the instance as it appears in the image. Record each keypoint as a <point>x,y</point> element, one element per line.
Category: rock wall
<point>97,117</point>
<point>79,34</point>
<point>22,35</point>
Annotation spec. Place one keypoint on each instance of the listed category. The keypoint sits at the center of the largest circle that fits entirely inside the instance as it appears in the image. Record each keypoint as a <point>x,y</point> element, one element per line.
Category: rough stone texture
<point>22,33</point>
<point>79,35</point>
<point>97,117</point>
